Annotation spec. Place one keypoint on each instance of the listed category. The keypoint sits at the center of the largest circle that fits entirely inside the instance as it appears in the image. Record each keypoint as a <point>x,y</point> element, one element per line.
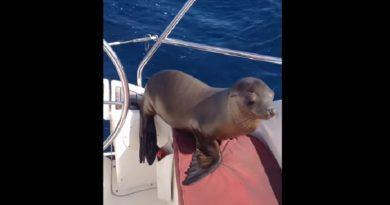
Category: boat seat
<point>249,173</point>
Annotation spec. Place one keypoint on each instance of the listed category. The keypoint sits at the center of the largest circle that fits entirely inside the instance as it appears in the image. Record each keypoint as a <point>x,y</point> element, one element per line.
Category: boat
<point>127,181</point>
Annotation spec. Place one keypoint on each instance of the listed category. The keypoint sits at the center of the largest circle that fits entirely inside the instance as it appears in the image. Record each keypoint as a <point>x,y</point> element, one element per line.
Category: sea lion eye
<point>250,102</point>
<point>250,99</point>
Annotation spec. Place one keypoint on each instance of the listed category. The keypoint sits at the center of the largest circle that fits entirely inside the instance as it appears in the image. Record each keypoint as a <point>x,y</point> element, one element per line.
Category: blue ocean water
<point>246,25</point>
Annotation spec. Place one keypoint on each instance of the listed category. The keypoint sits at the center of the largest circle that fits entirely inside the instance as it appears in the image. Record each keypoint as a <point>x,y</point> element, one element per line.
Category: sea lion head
<point>254,97</point>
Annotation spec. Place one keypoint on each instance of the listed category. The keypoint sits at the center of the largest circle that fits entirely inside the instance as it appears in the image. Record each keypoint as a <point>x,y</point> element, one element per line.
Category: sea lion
<point>210,114</point>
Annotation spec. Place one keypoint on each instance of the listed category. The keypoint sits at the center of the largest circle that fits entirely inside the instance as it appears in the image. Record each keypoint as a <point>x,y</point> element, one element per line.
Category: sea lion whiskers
<point>247,123</point>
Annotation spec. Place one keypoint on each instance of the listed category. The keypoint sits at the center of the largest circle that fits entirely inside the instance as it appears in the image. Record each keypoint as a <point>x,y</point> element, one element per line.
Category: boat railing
<point>163,38</point>
<point>125,85</point>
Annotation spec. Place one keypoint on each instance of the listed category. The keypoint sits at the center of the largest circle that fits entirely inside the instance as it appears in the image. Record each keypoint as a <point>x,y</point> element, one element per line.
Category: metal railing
<point>207,48</point>
<point>164,35</point>
<point>224,51</point>
<point>137,40</point>
<point>125,86</point>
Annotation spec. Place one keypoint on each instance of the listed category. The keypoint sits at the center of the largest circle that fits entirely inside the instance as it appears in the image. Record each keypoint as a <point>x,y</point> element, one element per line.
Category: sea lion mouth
<point>268,114</point>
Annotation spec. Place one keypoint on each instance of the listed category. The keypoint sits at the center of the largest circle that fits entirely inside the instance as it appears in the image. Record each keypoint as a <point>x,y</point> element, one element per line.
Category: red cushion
<point>248,174</point>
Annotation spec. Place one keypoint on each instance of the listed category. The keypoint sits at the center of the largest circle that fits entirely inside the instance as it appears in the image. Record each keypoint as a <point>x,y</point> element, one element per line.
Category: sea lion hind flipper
<point>197,169</point>
<point>148,140</point>
<point>206,158</point>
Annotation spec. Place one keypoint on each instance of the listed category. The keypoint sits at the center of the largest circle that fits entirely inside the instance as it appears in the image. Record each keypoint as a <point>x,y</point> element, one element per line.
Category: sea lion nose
<point>271,111</point>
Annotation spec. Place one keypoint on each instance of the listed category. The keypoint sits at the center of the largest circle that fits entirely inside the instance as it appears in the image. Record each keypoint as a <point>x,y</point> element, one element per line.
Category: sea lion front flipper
<point>205,160</point>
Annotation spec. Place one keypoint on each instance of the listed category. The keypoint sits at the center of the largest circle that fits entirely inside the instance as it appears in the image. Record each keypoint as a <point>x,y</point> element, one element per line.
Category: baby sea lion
<point>210,114</point>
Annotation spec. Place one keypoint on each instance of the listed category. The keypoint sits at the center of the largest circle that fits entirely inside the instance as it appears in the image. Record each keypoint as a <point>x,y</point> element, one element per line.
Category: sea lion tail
<point>148,140</point>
